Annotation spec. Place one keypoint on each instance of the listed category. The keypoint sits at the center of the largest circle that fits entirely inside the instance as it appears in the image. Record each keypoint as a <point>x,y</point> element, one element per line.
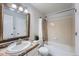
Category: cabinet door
<point>7,26</point>
<point>20,27</point>
<point>33,52</point>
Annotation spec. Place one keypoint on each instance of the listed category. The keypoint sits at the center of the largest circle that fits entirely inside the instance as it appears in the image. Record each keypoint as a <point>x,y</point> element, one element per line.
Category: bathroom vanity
<point>30,51</point>
<point>14,25</point>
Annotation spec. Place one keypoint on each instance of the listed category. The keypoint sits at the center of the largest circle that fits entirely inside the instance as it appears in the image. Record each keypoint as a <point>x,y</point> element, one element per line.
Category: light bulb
<point>20,9</point>
<point>25,11</point>
<point>14,6</point>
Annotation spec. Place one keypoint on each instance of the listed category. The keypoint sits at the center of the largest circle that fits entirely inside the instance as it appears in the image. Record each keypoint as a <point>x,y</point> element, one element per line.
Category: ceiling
<point>47,8</point>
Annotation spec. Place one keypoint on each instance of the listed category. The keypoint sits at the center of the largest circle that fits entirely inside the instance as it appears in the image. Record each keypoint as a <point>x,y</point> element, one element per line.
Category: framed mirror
<point>16,23</point>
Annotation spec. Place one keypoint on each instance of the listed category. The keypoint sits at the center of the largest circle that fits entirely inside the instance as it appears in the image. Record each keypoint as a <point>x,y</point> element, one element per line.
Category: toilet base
<point>43,51</point>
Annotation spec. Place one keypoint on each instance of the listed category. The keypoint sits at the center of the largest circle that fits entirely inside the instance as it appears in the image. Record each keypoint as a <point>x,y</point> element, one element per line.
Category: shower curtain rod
<point>66,10</point>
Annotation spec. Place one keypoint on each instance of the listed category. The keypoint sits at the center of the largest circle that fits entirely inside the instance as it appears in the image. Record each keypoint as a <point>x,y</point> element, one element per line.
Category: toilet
<point>43,51</point>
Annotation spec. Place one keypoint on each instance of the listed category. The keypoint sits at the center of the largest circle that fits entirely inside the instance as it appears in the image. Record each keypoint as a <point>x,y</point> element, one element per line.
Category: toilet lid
<point>43,50</point>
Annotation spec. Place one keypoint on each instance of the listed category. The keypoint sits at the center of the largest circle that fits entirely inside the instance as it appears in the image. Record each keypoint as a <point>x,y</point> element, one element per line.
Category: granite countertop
<point>3,52</point>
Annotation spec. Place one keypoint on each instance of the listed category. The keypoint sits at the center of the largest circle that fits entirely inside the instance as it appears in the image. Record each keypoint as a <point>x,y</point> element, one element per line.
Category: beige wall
<point>62,31</point>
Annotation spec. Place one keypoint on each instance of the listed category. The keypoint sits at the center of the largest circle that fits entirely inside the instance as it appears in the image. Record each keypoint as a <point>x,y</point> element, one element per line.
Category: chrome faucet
<point>19,41</point>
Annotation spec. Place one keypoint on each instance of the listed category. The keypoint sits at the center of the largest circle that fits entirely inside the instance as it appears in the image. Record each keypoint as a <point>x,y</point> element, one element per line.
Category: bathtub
<point>58,49</point>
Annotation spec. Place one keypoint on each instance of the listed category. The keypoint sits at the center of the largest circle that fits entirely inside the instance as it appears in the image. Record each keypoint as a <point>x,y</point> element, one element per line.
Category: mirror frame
<point>15,38</point>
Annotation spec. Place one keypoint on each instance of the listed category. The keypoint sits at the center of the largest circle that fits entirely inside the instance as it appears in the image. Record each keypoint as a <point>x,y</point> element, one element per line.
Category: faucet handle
<point>17,33</point>
<point>11,33</point>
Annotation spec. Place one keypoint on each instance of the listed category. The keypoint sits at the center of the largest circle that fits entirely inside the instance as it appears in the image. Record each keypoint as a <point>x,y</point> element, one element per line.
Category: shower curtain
<point>45,30</point>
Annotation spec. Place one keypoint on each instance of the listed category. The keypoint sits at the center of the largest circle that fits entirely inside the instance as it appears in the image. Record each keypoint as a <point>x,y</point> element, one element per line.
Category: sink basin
<point>14,48</point>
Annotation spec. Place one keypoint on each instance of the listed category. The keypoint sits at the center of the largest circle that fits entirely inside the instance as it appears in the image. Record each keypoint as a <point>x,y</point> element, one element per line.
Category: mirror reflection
<point>15,21</point>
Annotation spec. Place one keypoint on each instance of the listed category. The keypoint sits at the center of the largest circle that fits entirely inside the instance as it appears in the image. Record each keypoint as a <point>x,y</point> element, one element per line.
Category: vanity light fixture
<point>20,8</point>
<point>15,7</point>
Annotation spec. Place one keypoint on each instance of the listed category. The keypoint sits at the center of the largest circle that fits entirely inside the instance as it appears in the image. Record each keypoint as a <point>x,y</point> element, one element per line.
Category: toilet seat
<point>43,51</point>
